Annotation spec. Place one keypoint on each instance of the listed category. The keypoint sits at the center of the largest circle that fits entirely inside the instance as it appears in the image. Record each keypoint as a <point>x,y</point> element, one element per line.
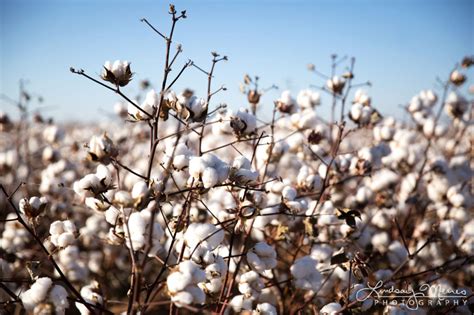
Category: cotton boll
<point>429,127</point>
<point>380,241</point>
<point>330,309</point>
<point>199,297</point>
<point>243,122</point>
<point>250,284</point>
<point>265,309</point>
<point>96,204</point>
<point>123,198</point>
<point>286,103</point>
<point>182,298</point>
<point>364,195</point>
<point>65,239</point>
<point>308,98</point>
<point>305,273</point>
<point>58,296</point>
<point>289,193</point>
<point>356,112</point>
<point>336,84</point>
<point>321,253</point>
<point>91,295</point>
<point>56,228</point>
<point>241,303</point>
<point>69,226</point>
<point>203,233</point>
<point>449,230</point>
<point>140,190</point>
<point>262,257</point>
<point>209,177</point>
<point>397,254</point>
<point>135,231</point>
<point>177,281</point>
<point>37,293</point>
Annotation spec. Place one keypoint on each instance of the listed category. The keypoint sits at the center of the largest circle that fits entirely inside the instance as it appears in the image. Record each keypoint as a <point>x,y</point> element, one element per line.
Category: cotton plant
<point>189,205</point>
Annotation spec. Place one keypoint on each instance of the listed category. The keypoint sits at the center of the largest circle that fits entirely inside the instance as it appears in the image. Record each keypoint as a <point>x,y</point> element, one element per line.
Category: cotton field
<point>182,205</point>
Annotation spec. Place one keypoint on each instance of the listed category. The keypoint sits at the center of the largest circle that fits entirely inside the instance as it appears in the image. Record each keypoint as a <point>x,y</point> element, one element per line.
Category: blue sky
<point>401,46</point>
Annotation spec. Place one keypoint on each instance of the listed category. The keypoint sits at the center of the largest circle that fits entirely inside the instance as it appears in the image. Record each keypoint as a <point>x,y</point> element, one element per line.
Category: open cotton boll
<point>243,122</point>
<point>32,207</point>
<point>449,230</point>
<point>182,298</point>
<point>209,168</point>
<point>308,98</point>
<point>321,253</point>
<point>250,284</point>
<point>140,190</point>
<point>58,295</point>
<point>241,303</point>
<point>137,114</point>
<point>37,293</point>
<point>289,193</point>
<point>336,84</point>
<point>91,295</point>
<point>96,204</point>
<point>65,239</point>
<point>137,229</point>
<point>330,309</point>
<point>62,233</point>
<point>305,273</point>
<point>177,281</point>
<point>210,177</point>
<point>56,227</point>
<point>380,242</point>
<point>203,234</point>
<point>396,254</point>
<point>265,309</point>
<point>262,257</point>
<point>193,269</point>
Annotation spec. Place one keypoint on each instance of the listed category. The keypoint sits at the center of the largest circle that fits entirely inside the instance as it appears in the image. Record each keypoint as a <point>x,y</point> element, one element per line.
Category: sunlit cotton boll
<point>262,257</point>
<point>62,233</point>
<point>91,295</point>
<point>138,113</point>
<point>250,284</point>
<point>208,168</point>
<point>330,309</point>
<point>43,290</point>
<point>241,172</point>
<point>182,284</point>
<point>336,84</point>
<point>204,234</point>
<point>118,73</point>
<point>308,98</point>
<point>33,207</point>
<point>305,273</point>
<point>265,309</point>
<point>243,122</point>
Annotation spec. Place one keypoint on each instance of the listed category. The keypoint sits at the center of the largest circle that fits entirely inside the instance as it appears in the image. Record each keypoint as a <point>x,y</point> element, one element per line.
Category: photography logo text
<point>427,295</point>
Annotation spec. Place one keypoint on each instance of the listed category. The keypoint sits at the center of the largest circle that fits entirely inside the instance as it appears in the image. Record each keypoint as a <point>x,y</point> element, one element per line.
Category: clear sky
<point>401,46</point>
